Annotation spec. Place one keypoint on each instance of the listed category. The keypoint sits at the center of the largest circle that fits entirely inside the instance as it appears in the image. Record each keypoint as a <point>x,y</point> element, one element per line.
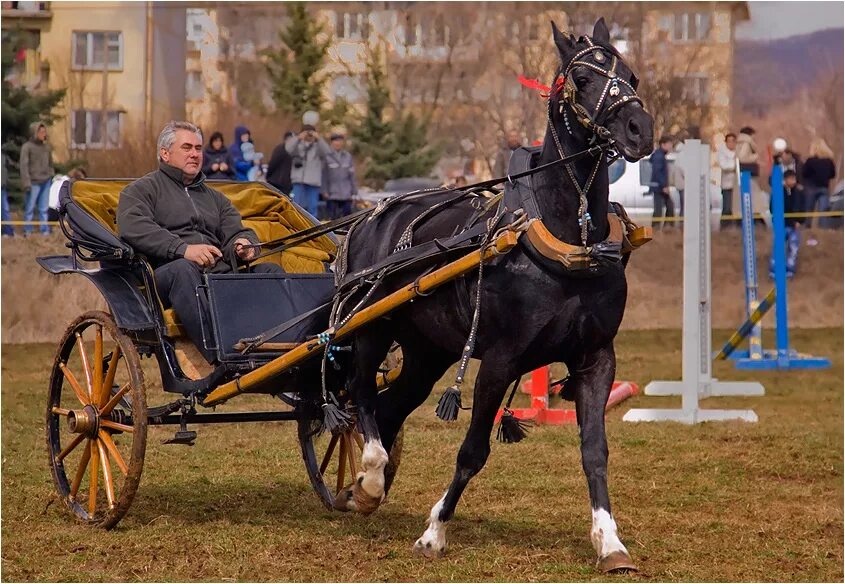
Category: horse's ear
<point>565,43</point>
<point>600,32</point>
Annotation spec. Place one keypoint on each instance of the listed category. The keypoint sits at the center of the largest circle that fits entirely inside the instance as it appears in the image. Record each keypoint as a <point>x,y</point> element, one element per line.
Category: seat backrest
<point>264,210</point>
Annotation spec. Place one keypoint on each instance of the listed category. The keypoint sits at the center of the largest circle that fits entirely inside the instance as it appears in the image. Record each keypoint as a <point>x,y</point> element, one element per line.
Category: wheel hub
<point>84,421</point>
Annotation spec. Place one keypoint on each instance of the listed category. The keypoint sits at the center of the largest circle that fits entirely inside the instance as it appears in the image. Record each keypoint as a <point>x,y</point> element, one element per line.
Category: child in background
<point>793,202</point>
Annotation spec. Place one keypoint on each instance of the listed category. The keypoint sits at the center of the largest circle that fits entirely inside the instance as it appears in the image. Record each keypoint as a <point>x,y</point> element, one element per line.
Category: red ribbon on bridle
<point>544,90</point>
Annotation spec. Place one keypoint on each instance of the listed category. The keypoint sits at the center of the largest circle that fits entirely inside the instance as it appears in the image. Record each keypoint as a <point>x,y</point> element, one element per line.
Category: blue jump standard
<point>782,357</point>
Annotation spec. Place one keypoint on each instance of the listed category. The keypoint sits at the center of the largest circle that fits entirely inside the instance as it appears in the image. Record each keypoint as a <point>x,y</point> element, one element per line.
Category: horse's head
<point>596,89</point>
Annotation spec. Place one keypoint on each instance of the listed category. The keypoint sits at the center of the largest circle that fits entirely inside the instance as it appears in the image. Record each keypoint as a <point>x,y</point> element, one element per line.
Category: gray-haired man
<point>183,226</point>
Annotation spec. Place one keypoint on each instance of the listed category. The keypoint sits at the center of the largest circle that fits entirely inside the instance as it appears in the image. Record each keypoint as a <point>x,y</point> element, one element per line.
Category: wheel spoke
<point>97,385</point>
<point>86,363</point>
<point>327,457</point>
<point>93,476</point>
<point>110,374</point>
<point>69,448</point>
<point>112,448</point>
<point>352,455</point>
<point>104,462</point>
<point>359,440</point>
<point>80,472</point>
<point>116,426</point>
<point>77,389</point>
<point>106,409</point>
<point>341,465</point>
<point>60,411</point>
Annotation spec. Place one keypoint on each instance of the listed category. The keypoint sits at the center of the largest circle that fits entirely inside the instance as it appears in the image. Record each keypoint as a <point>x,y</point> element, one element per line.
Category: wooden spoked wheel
<point>96,420</point>
<point>333,460</point>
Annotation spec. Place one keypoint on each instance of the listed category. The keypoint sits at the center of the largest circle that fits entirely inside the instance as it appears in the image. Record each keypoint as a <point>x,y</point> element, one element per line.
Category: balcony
<point>25,14</point>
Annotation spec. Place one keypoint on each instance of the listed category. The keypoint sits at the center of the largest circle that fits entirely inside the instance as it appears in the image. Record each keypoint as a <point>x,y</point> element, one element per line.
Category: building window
<point>351,26</point>
<point>91,50</point>
<point>87,129</point>
<point>695,88</point>
<point>690,26</point>
<point>194,87</point>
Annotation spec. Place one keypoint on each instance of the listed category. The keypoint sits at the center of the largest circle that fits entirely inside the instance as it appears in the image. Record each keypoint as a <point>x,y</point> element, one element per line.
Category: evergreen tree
<point>294,69</point>
<point>391,147</point>
<point>21,108</point>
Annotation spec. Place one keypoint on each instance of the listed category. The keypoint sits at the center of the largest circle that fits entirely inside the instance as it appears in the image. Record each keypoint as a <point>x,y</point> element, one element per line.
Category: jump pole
<point>697,381</point>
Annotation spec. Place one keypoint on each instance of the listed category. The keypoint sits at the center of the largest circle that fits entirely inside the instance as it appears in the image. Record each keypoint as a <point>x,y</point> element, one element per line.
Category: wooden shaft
<point>60,411</point>
<point>80,472</point>
<point>104,462</point>
<point>74,384</point>
<point>115,453</point>
<point>110,375</point>
<point>69,448</point>
<point>114,400</point>
<point>116,426</point>
<point>97,386</point>
<point>93,477</point>
<point>504,243</point>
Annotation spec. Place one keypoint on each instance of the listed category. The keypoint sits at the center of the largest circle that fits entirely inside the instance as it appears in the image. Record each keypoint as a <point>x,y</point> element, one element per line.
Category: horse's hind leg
<point>593,378</point>
<point>370,347</point>
<point>490,386</point>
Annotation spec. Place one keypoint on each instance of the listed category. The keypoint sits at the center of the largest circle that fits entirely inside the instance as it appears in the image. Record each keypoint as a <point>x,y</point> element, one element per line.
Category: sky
<point>774,20</point>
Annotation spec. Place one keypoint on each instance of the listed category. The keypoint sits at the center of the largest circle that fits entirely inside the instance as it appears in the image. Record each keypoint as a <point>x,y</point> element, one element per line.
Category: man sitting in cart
<point>183,226</point>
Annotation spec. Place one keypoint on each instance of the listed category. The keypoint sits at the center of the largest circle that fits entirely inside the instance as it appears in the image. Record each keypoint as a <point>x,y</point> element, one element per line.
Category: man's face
<point>513,139</point>
<point>185,154</point>
<point>790,181</point>
<point>787,157</point>
<point>337,144</point>
<point>667,146</point>
<point>245,137</point>
<point>41,134</point>
<point>730,142</point>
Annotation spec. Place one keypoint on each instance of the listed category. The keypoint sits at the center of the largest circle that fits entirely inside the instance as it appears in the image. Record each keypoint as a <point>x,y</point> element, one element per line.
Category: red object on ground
<point>538,388</point>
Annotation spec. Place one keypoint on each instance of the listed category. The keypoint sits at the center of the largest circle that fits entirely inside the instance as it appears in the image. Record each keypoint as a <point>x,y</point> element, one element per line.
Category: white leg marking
<point>373,461</point>
<point>432,544</point>
<point>603,534</point>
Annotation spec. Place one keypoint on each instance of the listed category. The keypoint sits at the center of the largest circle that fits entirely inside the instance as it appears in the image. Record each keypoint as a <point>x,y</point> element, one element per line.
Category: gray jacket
<point>339,176</point>
<point>307,166</point>
<point>158,215</point>
<point>36,160</point>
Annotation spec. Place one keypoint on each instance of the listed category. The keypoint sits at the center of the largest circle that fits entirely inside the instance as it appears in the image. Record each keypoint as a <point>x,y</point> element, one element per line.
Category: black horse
<point>531,315</point>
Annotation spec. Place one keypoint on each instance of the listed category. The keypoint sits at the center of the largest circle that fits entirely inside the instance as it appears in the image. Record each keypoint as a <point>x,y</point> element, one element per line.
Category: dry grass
<point>718,502</point>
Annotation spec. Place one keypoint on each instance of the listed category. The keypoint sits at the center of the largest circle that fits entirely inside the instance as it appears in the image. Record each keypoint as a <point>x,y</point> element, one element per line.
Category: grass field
<point>717,502</point>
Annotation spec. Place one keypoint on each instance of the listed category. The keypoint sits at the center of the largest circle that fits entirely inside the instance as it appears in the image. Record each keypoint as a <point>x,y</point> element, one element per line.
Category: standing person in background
<point>308,151</point>
<point>793,202</point>
<point>503,157</point>
<point>8,230</point>
<point>749,160</point>
<point>242,166</point>
<point>36,166</point>
<point>726,156</point>
<point>339,179</point>
<point>660,179</point>
<point>279,168</point>
<point>216,160</point>
<point>676,174</point>
<point>818,174</point>
<point>56,188</point>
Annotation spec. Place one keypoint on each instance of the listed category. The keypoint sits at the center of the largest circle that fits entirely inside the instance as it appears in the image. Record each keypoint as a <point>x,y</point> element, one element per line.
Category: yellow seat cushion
<point>173,325</point>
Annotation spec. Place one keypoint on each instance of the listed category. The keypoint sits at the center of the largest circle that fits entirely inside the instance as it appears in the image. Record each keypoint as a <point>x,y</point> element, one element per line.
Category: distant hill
<point>769,72</point>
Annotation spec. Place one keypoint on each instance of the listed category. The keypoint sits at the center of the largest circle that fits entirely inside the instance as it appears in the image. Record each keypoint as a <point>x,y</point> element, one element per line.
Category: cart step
<point>185,437</point>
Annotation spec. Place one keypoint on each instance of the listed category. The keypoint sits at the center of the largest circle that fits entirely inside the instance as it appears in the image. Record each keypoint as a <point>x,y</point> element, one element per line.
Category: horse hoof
<point>428,550</point>
<point>344,501</point>
<point>364,502</point>
<point>616,562</point>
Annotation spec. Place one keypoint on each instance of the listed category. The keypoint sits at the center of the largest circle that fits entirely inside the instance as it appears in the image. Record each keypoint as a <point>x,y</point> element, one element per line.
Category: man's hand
<point>224,167</point>
<point>215,167</point>
<point>245,253</point>
<point>202,254</point>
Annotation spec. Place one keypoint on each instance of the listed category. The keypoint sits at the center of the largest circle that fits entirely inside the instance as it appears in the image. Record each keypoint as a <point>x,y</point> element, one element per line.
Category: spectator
<point>503,157</point>
<point>8,230</point>
<point>793,202</point>
<point>819,170</point>
<point>788,160</point>
<point>748,156</point>
<point>726,156</point>
<point>308,151</point>
<point>36,166</point>
<point>242,166</point>
<point>255,172</point>
<point>339,179</point>
<point>278,170</point>
<point>660,179</point>
<point>676,175</point>
<point>56,189</point>
<point>217,161</point>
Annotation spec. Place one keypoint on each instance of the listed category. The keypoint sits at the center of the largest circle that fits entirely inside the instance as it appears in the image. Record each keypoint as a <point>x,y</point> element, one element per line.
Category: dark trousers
<point>337,209</point>
<point>177,283</point>
<point>727,207</point>
<point>663,201</point>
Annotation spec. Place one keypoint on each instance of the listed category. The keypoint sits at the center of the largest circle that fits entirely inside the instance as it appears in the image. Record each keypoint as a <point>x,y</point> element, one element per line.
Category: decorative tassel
<point>449,404</point>
<point>511,428</point>
<point>335,419</point>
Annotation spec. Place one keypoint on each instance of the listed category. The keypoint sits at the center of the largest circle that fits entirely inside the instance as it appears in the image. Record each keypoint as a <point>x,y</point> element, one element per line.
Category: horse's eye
<point>582,82</point>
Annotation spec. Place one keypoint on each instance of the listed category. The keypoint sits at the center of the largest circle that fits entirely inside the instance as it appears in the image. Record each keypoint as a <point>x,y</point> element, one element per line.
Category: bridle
<point>616,93</point>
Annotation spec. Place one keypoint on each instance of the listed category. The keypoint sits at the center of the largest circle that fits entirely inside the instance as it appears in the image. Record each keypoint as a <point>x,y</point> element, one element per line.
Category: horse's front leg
<point>593,378</point>
<point>490,387</point>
